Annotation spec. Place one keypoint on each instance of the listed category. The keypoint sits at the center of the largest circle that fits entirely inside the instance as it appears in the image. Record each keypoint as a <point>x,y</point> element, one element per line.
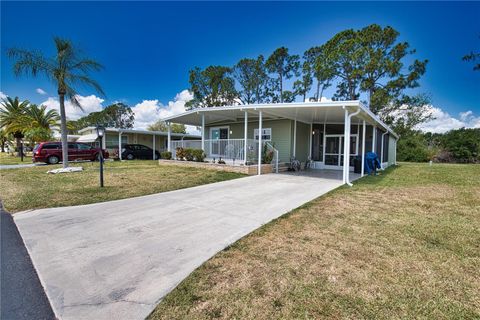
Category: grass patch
<point>405,244</point>
<point>8,159</point>
<point>32,188</point>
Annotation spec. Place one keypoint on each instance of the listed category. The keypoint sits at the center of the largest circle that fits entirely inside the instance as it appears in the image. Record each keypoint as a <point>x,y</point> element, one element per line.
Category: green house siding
<point>391,150</point>
<point>281,137</point>
<point>303,141</point>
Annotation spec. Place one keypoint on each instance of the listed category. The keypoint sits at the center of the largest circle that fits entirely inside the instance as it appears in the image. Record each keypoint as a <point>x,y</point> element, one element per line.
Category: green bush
<point>198,155</point>
<point>189,154</point>
<point>180,155</point>
<point>167,155</point>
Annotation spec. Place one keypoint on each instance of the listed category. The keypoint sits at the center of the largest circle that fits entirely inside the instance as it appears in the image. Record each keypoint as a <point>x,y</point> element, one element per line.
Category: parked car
<point>51,152</point>
<point>138,151</point>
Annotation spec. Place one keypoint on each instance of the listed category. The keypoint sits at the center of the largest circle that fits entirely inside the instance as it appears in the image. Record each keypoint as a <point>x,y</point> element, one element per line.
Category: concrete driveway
<point>116,260</point>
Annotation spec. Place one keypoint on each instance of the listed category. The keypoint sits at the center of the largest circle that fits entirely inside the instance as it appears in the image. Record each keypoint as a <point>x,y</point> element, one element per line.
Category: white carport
<point>336,112</point>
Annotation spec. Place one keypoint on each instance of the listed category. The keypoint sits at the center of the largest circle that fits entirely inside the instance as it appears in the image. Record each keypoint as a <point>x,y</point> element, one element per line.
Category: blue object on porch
<point>372,163</point>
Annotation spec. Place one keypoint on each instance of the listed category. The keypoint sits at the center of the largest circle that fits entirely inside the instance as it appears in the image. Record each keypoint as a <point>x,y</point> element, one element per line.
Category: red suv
<point>51,152</point>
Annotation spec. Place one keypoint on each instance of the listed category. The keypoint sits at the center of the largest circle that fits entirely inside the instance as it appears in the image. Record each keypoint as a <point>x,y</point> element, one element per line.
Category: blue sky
<point>147,48</point>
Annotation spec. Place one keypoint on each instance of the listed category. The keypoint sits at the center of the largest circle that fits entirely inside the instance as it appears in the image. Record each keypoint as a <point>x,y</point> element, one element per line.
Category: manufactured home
<point>114,137</point>
<point>320,132</point>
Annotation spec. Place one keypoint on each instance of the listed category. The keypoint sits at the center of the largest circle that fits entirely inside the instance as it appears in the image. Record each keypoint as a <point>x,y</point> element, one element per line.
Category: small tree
<point>13,119</point>
<point>162,126</point>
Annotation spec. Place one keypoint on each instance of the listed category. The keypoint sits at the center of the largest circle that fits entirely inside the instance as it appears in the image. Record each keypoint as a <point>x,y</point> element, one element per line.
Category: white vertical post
<point>169,137</point>
<point>374,137</point>
<point>381,150</point>
<point>153,143</point>
<point>345,143</point>
<point>203,131</point>
<point>363,148</point>
<point>311,141</point>
<point>260,142</point>
<point>245,138</point>
<point>395,159</point>
<point>295,138</point>
<point>119,145</point>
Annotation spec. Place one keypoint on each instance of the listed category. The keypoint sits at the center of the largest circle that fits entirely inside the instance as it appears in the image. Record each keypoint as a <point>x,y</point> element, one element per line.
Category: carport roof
<point>307,112</point>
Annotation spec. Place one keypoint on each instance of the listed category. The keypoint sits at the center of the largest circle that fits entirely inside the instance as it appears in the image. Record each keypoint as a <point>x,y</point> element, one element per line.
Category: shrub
<point>220,161</point>
<point>166,155</point>
<point>180,155</point>
<point>198,154</point>
<point>189,154</point>
<point>267,156</point>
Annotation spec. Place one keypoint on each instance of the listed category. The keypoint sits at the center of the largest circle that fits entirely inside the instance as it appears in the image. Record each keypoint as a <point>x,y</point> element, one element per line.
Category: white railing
<point>233,149</point>
<point>230,149</point>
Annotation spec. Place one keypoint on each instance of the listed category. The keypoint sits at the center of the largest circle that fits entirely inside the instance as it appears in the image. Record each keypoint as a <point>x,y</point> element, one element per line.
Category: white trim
<point>363,148</point>
<point>310,142</point>
<point>245,137</point>
<point>203,131</point>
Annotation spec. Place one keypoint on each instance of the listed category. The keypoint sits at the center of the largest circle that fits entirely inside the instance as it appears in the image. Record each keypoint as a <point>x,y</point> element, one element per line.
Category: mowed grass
<point>32,188</point>
<point>7,159</point>
<point>402,245</point>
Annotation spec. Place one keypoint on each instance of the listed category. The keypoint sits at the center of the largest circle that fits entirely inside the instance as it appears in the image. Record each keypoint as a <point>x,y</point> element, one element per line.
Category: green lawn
<point>6,158</point>
<point>402,245</point>
<point>31,188</point>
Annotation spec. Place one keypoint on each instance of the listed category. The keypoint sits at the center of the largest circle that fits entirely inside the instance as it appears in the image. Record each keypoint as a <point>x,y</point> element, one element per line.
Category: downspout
<point>346,155</point>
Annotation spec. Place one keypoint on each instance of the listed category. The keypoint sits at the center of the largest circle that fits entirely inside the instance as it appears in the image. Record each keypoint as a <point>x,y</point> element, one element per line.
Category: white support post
<point>310,142</point>
<point>381,150</point>
<point>245,139</point>
<point>363,148</point>
<point>295,139</point>
<point>203,132</point>
<point>260,142</point>
<point>153,143</point>
<point>169,137</point>
<point>374,137</point>
<point>119,145</point>
<point>345,143</point>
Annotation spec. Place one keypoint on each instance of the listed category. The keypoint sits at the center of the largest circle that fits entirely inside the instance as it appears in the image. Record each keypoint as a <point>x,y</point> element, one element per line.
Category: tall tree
<point>252,78</point>
<point>283,66</point>
<point>162,126</point>
<point>117,115</point>
<point>211,87</point>
<point>66,70</point>
<point>317,62</point>
<point>13,119</point>
<point>475,58</point>
<point>302,86</point>
<point>346,58</point>
<point>3,139</point>
<point>384,77</point>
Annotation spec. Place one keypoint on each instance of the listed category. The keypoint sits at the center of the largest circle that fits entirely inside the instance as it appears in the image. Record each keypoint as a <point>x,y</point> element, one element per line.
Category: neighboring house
<point>113,137</point>
<point>310,130</point>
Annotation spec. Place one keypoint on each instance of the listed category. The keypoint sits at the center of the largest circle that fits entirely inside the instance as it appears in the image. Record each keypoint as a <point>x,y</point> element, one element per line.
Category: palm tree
<point>40,123</point>
<point>3,139</point>
<point>66,70</point>
<point>13,119</point>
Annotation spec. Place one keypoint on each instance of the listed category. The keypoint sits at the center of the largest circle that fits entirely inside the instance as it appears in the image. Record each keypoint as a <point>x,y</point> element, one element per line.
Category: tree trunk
<point>19,146</point>
<point>63,130</point>
<point>3,145</point>
<point>317,95</point>
<point>281,88</point>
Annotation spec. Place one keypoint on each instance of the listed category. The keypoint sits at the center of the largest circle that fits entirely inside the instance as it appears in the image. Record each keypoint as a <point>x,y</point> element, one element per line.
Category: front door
<point>333,148</point>
<point>217,147</point>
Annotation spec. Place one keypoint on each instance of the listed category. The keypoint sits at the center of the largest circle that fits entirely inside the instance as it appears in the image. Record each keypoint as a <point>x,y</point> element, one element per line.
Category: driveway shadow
<point>22,295</point>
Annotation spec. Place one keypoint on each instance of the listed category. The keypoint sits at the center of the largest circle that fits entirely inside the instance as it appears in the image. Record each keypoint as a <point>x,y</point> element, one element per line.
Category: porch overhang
<point>306,112</point>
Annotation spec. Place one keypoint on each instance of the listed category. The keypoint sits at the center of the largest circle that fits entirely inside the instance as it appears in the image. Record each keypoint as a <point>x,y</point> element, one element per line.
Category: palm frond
<point>29,62</point>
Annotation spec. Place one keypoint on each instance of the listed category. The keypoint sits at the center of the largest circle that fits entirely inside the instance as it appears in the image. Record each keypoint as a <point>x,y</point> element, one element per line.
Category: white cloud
<point>444,122</point>
<point>150,111</point>
<point>40,91</point>
<point>3,95</point>
<point>89,104</point>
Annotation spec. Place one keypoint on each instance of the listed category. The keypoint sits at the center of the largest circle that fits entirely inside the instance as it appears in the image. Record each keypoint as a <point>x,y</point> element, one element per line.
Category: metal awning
<point>88,138</point>
<point>308,112</point>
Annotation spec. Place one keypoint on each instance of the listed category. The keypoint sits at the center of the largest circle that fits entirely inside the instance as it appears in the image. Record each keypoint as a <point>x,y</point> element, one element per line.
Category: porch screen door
<point>333,147</point>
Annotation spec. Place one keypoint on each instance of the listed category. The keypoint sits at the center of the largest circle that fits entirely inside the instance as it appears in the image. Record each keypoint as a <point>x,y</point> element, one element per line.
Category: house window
<point>266,134</point>
<point>112,141</point>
